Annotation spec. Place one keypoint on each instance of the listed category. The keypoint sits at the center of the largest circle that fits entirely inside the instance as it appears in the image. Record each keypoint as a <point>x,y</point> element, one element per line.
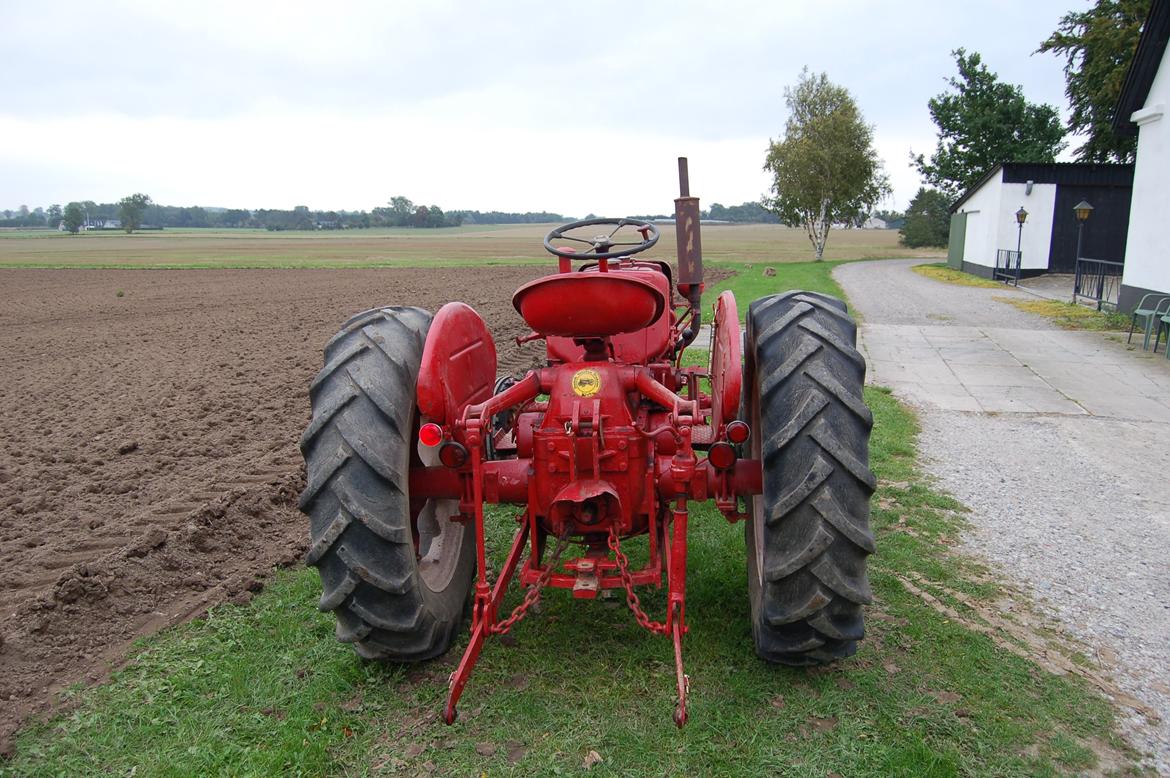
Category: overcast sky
<point>507,105</point>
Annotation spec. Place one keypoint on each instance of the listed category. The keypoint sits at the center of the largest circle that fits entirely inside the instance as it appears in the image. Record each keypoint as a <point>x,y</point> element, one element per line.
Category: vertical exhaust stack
<point>690,251</point>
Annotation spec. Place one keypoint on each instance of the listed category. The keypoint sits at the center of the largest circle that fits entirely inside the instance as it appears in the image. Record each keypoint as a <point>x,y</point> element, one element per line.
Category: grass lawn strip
<point>941,272</point>
<point>750,281</point>
<point>938,687</point>
<point>1071,316</point>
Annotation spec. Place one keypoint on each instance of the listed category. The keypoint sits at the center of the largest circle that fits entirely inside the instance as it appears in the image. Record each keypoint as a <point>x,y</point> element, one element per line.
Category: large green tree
<point>73,217</point>
<point>928,220</point>
<point>983,122</point>
<point>825,169</point>
<point>130,210</point>
<point>1098,45</point>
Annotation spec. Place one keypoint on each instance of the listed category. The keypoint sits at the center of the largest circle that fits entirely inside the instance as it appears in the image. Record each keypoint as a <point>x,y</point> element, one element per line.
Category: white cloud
<point>510,105</point>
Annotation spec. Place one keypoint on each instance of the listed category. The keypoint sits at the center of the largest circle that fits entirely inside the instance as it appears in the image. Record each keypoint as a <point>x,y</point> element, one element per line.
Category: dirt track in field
<point>148,444</point>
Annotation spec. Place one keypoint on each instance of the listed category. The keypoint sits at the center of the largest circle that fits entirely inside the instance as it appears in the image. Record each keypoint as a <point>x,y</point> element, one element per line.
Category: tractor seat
<point>589,305</point>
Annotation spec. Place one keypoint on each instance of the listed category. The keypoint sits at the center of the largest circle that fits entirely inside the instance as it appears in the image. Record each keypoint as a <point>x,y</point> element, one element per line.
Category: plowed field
<point>148,443</point>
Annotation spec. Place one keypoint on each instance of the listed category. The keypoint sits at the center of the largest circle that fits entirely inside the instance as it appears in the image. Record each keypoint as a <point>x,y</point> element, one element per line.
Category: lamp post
<point>1082,210</point>
<point>1021,217</point>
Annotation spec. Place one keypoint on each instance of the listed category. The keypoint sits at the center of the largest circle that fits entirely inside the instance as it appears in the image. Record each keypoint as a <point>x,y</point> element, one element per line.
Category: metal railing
<point>1099,281</point>
<point>1007,266</point>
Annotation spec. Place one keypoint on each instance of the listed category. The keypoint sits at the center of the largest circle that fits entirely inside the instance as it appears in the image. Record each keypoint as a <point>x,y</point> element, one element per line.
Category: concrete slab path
<point>1058,441</point>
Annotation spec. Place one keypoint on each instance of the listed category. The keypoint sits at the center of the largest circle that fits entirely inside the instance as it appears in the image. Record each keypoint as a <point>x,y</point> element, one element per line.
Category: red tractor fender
<point>726,362</point>
<point>458,364</point>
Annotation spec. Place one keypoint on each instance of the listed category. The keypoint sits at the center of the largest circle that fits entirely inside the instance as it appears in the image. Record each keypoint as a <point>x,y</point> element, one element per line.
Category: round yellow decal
<point>586,383</point>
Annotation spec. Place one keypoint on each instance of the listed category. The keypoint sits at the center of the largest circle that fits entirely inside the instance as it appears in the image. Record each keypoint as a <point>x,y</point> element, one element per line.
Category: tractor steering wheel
<point>600,245</point>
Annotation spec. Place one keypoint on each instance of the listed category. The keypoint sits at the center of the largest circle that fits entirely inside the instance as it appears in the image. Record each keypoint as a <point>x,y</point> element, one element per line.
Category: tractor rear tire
<point>396,572</point>
<point>808,534</point>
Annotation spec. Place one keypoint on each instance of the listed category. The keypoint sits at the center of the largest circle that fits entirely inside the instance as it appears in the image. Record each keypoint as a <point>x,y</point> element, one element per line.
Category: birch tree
<point>825,169</point>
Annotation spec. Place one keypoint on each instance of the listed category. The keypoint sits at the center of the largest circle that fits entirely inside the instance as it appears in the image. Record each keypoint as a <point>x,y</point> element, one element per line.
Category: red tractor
<point>411,434</point>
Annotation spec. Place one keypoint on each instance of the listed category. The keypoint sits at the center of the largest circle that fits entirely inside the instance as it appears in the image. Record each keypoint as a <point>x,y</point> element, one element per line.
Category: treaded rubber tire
<point>358,454</point>
<point>808,534</point>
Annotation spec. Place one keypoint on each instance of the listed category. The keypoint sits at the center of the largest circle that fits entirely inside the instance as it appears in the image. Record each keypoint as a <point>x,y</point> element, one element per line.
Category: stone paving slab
<point>1016,371</point>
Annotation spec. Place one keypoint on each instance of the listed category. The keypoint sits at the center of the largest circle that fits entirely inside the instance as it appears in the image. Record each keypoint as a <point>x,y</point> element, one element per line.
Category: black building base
<point>1132,295</point>
<point>984,271</point>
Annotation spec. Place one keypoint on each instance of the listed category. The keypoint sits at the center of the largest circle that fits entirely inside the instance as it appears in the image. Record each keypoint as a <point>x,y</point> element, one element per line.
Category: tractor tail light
<point>722,456</point>
<point>452,454</point>
<point>738,432</point>
<point>430,434</point>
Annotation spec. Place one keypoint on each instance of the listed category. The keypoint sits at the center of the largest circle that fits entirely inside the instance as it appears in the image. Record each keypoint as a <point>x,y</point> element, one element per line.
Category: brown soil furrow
<point>10,600</point>
<point>175,509</point>
<point>84,553</point>
<point>206,495</point>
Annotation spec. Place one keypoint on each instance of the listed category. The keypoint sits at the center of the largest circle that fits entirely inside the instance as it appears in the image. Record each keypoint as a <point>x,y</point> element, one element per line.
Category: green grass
<point>1071,316</point>
<point>749,282</point>
<point>265,689</point>
<point>941,272</point>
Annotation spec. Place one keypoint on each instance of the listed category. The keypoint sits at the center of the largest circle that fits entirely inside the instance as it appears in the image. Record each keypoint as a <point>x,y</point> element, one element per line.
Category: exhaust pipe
<point>690,252</point>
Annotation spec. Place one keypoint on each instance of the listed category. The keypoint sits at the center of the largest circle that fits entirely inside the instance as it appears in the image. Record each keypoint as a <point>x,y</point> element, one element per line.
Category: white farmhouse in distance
<point>1141,109</point>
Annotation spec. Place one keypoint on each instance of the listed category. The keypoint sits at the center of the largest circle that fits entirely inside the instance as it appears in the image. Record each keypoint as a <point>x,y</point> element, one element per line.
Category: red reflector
<point>722,456</point>
<point>430,434</point>
<point>738,431</point>
<point>452,454</point>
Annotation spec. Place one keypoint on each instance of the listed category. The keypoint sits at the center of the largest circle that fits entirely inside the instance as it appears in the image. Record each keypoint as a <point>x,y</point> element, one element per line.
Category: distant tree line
<point>398,212</point>
<point>500,217</point>
<point>747,212</point>
<point>893,219</point>
<point>37,217</point>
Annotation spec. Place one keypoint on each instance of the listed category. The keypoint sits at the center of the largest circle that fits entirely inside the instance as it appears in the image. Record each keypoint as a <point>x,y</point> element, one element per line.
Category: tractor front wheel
<point>808,533</point>
<point>396,571</point>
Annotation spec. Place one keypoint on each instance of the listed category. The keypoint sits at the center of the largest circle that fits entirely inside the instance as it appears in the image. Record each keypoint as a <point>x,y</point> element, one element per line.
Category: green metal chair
<point>1163,324</point>
<point>1161,306</point>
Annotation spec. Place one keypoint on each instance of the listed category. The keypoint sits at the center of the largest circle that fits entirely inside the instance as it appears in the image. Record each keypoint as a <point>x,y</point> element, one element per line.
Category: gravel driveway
<point>1059,442</point>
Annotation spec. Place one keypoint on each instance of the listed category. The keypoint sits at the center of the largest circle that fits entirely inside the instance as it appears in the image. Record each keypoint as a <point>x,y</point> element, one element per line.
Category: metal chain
<point>533,594</point>
<point>628,582</point>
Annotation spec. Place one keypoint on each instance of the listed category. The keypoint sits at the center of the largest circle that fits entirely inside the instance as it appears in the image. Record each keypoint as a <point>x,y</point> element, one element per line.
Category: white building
<point>983,220</point>
<point>1141,108</point>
